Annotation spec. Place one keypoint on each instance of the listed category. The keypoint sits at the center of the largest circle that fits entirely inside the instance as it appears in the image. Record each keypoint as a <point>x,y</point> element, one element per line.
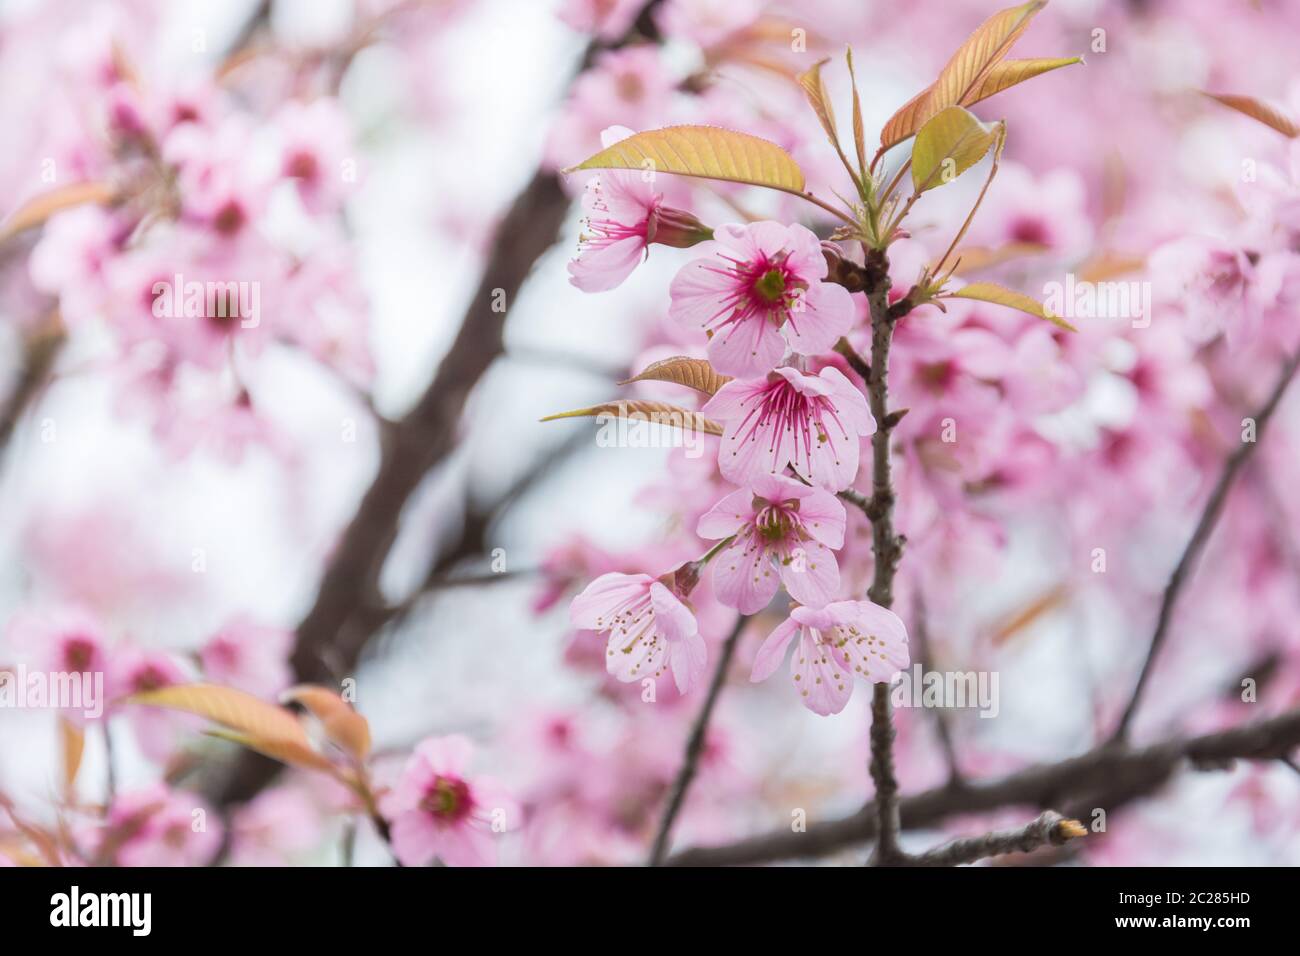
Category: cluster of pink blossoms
<point>791,440</point>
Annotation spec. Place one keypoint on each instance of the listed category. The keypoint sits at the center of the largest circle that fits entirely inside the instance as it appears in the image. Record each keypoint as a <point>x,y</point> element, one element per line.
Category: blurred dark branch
<point>695,745</point>
<point>41,348</point>
<point>1204,528</point>
<point>349,606</point>
<point>942,724</point>
<point>1049,829</point>
<point>1103,778</point>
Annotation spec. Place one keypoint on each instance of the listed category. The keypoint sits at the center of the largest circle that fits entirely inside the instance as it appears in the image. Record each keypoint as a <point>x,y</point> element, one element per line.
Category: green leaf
<point>998,295</point>
<point>950,143</point>
<point>1259,110</point>
<point>706,152</point>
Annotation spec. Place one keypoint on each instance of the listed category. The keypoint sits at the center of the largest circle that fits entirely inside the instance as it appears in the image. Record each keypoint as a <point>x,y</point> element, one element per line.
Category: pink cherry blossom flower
<point>784,531</point>
<point>809,422</point>
<point>836,643</point>
<point>624,215</point>
<point>249,656</point>
<point>649,628</point>
<point>275,828</point>
<point>161,827</point>
<point>316,145</point>
<point>1209,281</point>
<point>758,280</point>
<point>437,813</point>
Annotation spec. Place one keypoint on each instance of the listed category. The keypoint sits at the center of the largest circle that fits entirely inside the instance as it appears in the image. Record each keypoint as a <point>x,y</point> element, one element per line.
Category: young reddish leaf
<point>1009,73</point>
<point>38,209</point>
<point>1259,110</point>
<point>951,142</point>
<point>991,292</point>
<point>815,92</point>
<point>1017,621</point>
<point>859,134</point>
<point>963,78</point>
<point>343,725</point>
<point>73,741</point>
<point>680,370</point>
<point>983,49</point>
<point>706,152</point>
<point>256,724</point>
<point>657,412</point>
<point>1107,266</point>
<point>903,125</point>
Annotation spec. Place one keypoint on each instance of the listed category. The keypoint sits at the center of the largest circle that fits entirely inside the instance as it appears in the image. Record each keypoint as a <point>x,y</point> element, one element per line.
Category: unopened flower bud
<point>676,228</point>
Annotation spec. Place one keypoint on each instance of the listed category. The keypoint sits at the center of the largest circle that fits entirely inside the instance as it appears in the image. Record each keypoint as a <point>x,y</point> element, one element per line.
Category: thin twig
<point>1204,528</point>
<point>1049,829</point>
<point>695,745</point>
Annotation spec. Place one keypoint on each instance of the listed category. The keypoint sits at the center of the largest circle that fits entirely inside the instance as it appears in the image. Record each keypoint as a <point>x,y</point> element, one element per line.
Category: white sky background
<point>478,658</point>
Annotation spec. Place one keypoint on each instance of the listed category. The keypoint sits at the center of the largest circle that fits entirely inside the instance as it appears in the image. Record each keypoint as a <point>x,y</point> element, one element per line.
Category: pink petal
<point>827,314</point>
<point>823,685</point>
<point>673,619</point>
<point>824,517</point>
<point>689,657</point>
<point>773,649</point>
<point>600,268</point>
<point>747,349</point>
<point>727,517</point>
<point>446,755</point>
<point>817,582</point>
<point>743,576</point>
<point>593,608</point>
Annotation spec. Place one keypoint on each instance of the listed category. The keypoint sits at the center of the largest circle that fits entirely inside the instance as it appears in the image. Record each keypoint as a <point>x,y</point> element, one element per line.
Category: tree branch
<point>695,745</point>
<point>1204,528</point>
<point>1049,829</point>
<point>1102,778</point>
<point>887,547</point>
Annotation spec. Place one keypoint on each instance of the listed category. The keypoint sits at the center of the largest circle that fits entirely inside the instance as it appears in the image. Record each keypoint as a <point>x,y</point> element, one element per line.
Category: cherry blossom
<point>837,643</point>
<point>810,423</point>
<point>650,630</point>
<point>756,282</point>
<point>438,813</point>
<point>782,531</point>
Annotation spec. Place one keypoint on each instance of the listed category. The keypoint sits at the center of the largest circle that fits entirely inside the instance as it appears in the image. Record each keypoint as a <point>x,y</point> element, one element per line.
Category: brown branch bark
<point>1103,778</point>
<point>1183,571</point>
<point>695,746</point>
<point>887,547</point>
<point>1049,829</point>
